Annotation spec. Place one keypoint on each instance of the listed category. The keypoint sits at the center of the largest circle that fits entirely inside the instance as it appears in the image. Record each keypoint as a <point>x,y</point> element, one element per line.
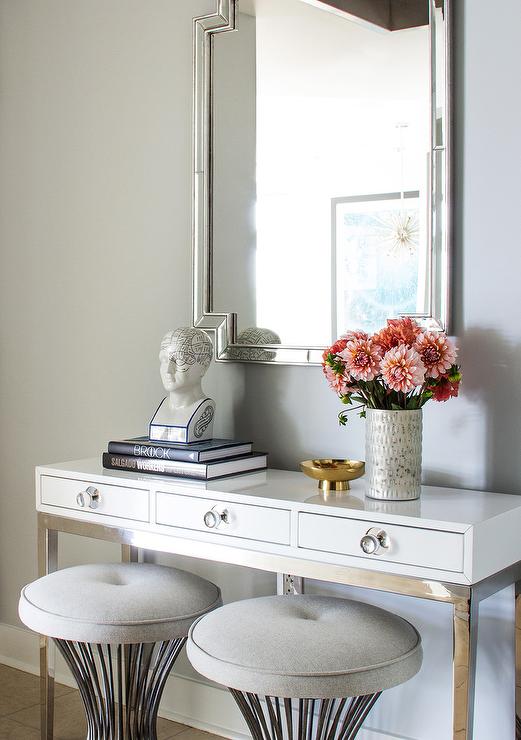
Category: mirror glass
<point>327,169</point>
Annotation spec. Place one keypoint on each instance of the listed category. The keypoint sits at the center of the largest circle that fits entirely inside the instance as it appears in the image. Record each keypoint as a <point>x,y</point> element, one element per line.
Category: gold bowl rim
<point>338,469</point>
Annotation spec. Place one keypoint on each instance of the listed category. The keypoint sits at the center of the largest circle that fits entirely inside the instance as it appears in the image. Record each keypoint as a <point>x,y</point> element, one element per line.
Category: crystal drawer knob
<point>90,498</point>
<point>213,518</point>
<point>374,540</point>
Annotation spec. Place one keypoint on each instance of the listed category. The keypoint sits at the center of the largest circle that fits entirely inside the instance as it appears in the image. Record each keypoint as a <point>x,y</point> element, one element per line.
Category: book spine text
<point>152,451</point>
<point>147,465</point>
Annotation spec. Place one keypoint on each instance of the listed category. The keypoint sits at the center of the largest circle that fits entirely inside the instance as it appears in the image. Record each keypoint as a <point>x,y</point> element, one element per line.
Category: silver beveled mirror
<point>321,173</point>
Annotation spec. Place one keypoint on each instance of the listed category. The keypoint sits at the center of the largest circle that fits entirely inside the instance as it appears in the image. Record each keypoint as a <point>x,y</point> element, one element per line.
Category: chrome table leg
<point>47,563</point>
<point>289,585</point>
<point>129,554</point>
<point>465,629</point>
<point>518,660</point>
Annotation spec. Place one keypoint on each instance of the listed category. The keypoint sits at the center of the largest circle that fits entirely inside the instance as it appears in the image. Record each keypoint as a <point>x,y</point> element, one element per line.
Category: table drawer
<point>239,520</point>
<point>426,548</point>
<point>117,501</point>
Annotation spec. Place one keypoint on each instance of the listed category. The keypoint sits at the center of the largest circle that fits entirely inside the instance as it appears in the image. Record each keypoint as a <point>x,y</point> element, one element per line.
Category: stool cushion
<point>305,647</point>
<point>116,603</point>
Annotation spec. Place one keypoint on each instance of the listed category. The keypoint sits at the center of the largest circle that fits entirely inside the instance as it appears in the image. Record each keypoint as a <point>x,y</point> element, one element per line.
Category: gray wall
<point>95,141</point>
<point>95,240</point>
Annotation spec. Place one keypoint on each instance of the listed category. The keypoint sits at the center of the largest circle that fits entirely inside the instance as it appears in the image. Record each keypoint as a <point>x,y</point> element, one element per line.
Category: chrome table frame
<point>465,600</point>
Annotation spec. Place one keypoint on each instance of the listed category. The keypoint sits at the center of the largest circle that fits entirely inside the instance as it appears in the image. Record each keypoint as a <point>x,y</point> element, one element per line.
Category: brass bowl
<point>333,475</point>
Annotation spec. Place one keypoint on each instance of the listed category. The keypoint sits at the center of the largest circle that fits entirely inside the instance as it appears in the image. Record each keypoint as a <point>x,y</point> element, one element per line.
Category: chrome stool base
<point>121,685</point>
<point>273,718</point>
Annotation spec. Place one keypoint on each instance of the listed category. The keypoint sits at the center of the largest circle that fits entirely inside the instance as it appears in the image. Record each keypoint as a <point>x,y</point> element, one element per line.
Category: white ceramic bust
<point>186,414</point>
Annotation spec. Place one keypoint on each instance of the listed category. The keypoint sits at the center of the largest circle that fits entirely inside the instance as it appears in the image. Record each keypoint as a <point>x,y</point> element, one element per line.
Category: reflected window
<point>380,262</point>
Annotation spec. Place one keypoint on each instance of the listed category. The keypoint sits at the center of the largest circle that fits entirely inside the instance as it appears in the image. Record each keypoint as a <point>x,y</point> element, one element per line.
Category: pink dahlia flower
<point>437,353</point>
<point>402,369</point>
<point>362,359</point>
<point>336,382</point>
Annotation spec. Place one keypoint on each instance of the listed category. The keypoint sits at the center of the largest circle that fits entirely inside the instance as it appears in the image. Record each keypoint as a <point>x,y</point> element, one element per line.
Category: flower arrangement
<point>401,367</point>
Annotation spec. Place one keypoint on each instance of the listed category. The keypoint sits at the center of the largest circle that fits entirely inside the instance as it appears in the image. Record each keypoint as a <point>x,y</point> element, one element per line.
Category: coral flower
<point>335,349</point>
<point>336,382</point>
<point>402,369</point>
<point>397,331</point>
<point>338,346</point>
<point>436,351</point>
<point>362,359</point>
<point>445,389</point>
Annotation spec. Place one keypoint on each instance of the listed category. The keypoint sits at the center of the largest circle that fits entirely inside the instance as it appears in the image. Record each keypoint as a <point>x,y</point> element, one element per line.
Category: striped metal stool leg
<point>121,685</point>
<point>274,718</point>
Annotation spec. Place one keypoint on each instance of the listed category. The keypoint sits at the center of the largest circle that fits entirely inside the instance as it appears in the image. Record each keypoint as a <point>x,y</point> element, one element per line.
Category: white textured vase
<point>393,454</point>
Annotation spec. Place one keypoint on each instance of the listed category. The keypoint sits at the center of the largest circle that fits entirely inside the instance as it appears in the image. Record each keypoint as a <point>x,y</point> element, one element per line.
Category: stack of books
<point>213,458</point>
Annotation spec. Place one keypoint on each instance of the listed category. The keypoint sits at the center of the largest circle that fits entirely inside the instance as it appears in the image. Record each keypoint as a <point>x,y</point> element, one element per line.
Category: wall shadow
<point>492,374</point>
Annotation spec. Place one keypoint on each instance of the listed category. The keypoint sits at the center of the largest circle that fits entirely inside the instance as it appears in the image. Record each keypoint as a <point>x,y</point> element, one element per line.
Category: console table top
<point>437,506</point>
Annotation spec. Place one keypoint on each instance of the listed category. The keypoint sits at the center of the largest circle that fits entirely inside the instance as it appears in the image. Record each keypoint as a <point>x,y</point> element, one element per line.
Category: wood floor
<point>20,712</point>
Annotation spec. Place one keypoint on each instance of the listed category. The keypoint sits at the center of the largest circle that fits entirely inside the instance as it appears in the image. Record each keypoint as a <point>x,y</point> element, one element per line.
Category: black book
<point>210,449</point>
<point>201,471</point>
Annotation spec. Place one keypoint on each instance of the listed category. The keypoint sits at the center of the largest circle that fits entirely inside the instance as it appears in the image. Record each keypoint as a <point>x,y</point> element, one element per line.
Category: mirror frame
<point>223,326</point>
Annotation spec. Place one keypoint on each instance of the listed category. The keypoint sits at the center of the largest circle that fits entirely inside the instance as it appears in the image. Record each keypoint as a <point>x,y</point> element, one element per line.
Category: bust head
<point>184,358</point>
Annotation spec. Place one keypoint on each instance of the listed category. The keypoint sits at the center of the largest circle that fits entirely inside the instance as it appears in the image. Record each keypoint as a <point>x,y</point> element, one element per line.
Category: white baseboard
<point>197,703</point>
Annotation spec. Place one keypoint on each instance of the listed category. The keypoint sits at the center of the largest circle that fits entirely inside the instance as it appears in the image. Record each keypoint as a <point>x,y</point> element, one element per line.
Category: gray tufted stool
<point>317,650</point>
<point>120,628</point>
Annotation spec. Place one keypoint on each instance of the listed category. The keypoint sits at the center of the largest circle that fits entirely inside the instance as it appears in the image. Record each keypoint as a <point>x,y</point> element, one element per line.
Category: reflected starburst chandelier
<point>401,233</point>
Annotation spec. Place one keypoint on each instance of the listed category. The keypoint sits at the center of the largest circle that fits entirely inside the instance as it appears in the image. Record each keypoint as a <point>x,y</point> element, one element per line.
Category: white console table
<point>453,546</point>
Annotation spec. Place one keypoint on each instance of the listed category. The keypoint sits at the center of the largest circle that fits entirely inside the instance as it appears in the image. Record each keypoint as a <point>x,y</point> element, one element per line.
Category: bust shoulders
<point>192,423</point>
